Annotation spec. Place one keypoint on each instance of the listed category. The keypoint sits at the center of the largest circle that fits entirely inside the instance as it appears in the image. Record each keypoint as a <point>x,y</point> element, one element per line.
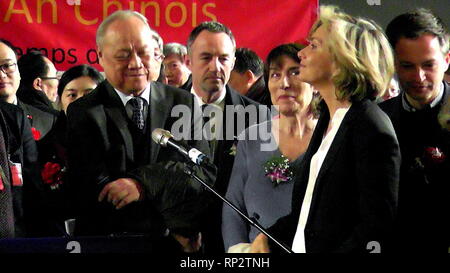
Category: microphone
<point>163,137</point>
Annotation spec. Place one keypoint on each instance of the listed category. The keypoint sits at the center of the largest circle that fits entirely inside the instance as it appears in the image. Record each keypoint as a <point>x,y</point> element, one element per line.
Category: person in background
<point>421,44</point>
<point>253,188</point>
<point>248,68</point>
<point>39,83</point>
<point>26,187</point>
<point>247,76</point>
<point>156,66</point>
<point>76,82</point>
<point>345,195</point>
<point>175,67</point>
<point>41,121</point>
<point>211,47</point>
<point>393,90</point>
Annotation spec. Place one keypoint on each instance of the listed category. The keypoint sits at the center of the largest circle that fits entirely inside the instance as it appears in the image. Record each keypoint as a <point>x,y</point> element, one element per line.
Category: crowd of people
<point>349,145</point>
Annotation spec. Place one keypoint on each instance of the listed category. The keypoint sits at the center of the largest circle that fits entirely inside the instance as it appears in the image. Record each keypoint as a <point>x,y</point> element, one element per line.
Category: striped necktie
<point>137,117</point>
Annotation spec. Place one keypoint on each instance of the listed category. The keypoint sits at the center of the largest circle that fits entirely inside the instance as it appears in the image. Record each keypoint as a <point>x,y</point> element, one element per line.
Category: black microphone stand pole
<point>188,170</point>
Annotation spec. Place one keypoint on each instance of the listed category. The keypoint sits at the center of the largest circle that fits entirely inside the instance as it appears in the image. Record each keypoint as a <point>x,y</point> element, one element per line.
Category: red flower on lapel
<point>431,158</point>
<point>36,133</point>
<point>52,174</point>
<point>433,155</point>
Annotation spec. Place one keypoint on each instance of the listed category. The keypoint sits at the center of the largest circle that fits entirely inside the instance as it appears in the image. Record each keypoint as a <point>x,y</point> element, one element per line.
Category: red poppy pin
<point>52,174</point>
<point>36,133</point>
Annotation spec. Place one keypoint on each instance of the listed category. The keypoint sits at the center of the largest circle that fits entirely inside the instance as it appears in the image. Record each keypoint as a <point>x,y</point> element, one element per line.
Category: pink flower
<point>278,170</point>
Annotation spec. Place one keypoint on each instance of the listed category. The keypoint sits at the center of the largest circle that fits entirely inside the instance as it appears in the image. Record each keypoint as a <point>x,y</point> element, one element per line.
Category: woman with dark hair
<point>77,82</point>
<point>266,159</point>
<point>345,196</point>
<point>74,83</point>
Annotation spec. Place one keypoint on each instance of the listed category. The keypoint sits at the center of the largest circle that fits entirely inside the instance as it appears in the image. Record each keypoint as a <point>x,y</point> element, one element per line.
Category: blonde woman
<point>345,197</point>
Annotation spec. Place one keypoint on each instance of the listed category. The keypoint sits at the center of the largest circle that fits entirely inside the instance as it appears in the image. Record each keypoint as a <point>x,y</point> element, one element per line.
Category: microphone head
<point>161,136</point>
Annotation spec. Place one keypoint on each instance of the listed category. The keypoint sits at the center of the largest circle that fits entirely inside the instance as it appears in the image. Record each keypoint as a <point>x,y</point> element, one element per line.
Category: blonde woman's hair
<point>362,54</point>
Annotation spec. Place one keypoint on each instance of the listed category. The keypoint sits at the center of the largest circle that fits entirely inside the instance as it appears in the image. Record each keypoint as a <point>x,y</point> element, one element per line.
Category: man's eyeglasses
<point>159,56</point>
<point>8,68</point>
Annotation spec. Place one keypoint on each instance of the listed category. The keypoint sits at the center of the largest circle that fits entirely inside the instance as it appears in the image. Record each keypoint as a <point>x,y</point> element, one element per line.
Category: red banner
<point>65,29</point>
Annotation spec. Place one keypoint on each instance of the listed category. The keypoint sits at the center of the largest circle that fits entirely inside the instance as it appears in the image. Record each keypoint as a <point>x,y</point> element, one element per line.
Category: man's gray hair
<point>118,15</point>
<point>175,48</point>
<point>158,39</point>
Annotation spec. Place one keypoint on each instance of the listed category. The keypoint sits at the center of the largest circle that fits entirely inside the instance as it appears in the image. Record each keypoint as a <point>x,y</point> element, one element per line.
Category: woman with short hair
<point>266,160</point>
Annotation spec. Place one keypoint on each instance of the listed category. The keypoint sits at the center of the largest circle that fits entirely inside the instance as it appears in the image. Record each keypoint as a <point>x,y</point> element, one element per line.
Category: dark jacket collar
<point>158,112</point>
<point>336,144</point>
<point>37,99</point>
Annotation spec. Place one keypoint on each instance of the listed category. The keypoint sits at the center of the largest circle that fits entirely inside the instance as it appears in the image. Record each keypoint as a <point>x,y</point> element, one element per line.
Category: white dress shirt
<point>125,98</point>
<point>298,245</point>
<point>215,106</point>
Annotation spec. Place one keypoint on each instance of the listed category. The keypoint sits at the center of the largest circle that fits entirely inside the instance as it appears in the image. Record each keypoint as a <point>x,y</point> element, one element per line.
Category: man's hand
<point>121,192</point>
<point>260,244</point>
<point>190,245</point>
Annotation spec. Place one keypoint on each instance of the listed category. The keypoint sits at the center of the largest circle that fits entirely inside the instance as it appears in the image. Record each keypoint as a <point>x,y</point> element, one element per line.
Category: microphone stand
<point>188,170</point>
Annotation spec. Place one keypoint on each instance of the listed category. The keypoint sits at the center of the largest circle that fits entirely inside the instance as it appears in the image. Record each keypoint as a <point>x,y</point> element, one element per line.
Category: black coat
<point>40,120</point>
<point>355,196</point>
<point>29,199</point>
<point>224,160</point>
<point>103,146</point>
<point>423,222</point>
<point>37,99</point>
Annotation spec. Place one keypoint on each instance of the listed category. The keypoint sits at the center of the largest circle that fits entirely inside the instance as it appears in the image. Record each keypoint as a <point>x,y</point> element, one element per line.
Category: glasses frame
<point>159,57</point>
<point>6,66</point>
<point>50,78</point>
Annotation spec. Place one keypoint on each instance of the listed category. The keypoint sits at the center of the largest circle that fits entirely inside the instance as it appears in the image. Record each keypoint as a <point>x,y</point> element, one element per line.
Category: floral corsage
<point>53,175</point>
<point>432,157</point>
<point>278,170</point>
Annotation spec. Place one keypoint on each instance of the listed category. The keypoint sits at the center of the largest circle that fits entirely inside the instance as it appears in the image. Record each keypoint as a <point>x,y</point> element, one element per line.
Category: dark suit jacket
<point>188,84</point>
<point>37,99</point>
<point>40,120</point>
<point>222,157</point>
<point>424,204</point>
<point>102,147</point>
<point>53,149</point>
<point>224,161</point>
<point>355,196</point>
<point>28,199</point>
